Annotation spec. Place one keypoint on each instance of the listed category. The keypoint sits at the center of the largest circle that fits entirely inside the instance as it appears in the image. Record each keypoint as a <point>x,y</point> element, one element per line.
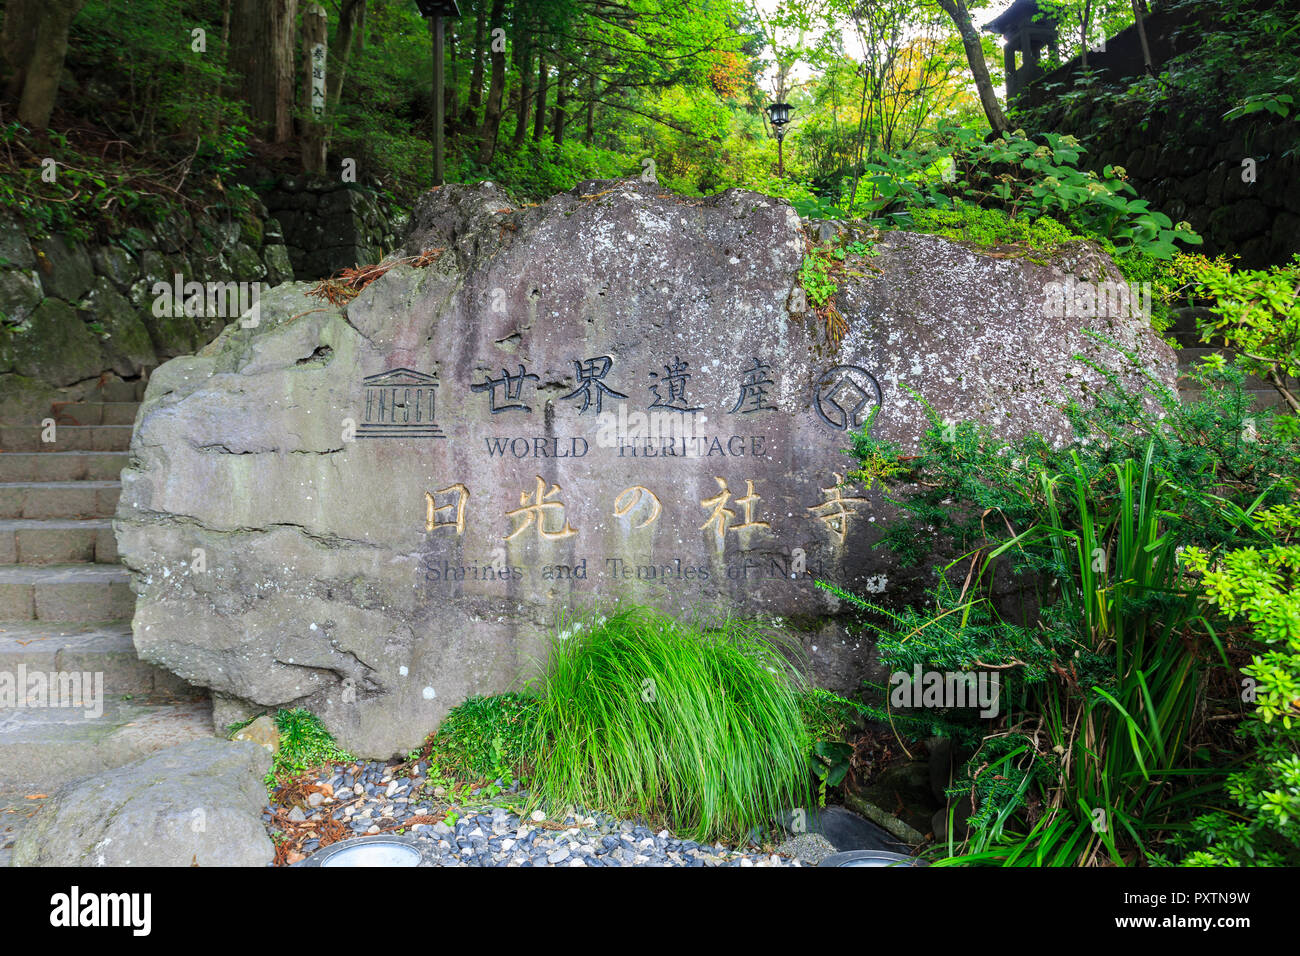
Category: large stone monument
<point>375,510</point>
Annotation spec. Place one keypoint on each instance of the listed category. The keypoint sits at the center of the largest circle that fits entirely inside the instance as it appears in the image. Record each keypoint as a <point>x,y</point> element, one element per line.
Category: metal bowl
<point>871,858</point>
<point>370,851</point>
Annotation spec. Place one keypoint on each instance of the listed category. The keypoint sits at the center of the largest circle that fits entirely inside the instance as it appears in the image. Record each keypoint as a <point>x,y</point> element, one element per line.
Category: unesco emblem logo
<point>846,395</point>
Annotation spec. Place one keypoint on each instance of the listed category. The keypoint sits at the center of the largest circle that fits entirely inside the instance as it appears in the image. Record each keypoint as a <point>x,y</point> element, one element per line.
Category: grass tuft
<point>698,727</point>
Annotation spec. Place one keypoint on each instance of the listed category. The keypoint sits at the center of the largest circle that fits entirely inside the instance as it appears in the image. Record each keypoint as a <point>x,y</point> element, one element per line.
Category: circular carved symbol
<point>846,394</point>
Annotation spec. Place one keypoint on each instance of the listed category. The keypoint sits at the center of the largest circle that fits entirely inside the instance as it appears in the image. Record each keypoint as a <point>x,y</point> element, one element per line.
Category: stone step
<point>99,648</point>
<point>57,541</point>
<point>1185,319</point>
<point>65,592</point>
<point>122,391</point>
<point>59,499</point>
<point>62,465</point>
<point>42,748</point>
<point>15,438</point>
<point>1187,339</point>
<point>16,809</point>
<point>1260,397</point>
<point>95,413</point>
<point>1187,357</point>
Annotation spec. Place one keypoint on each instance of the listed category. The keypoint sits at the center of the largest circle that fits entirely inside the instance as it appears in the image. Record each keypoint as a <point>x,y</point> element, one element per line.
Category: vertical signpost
<point>315,30</point>
<point>434,11</point>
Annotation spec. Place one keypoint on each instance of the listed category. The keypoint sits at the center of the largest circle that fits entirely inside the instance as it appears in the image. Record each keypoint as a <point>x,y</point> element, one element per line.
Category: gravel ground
<point>355,800</point>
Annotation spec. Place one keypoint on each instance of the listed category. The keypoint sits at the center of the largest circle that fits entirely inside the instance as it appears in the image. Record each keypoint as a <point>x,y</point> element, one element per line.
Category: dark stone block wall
<point>1186,159</point>
<point>72,313</point>
<point>330,225</point>
<point>1189,166</point>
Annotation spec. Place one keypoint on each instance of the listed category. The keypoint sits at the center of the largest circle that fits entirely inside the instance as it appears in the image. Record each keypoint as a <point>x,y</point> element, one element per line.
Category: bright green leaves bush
<point>1262,586</point>
<point>1028,180</point>
<point>485,738</point>
<point>815,276</point>
<point>1256,313</point>
<point>696,726</point>
<point>992,227</point>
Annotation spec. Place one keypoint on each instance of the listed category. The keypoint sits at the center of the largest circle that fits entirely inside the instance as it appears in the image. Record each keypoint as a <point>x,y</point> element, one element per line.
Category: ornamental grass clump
<point>691,725</point>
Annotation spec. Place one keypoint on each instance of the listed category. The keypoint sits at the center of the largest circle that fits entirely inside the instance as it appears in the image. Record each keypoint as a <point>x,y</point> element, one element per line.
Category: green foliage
<point>305,745</point>
<point>1069,583</point>
<point>1261,586</point>
<point>1104,675</point>
<point>540,170</point>
<point>695,725</point>
<point>823,265</point>
<point>1218,445</point>
<point>815,277</point>
<point>1028,180</point>
<point>991,227</point>
<point>1256,313</point>
<point>1162,275</point>
<point>84,192</point>
<point>1199,84</point>
<point>829,718</point>
<point>1276,102</point>
<point>485,738</point>
<point>151,130</point>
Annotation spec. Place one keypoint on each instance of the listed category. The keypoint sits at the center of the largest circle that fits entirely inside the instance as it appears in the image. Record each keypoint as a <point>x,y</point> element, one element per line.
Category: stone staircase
<point>1192,350</point>
<point>66,607</point>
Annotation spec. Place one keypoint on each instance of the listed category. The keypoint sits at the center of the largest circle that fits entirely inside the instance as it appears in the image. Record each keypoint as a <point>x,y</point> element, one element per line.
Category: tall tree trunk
<point>970,41</point>
<point>22,19</point>
<point>1139,18</point>
<point>492,114</point>
<point>349,20</point>
<point>862,136</point>
<point>225,45</point>
<point>262,52</point>
<point>561,116</point>
<point>525,91</point>
<point>35,44</point>
<point>1084,17</point>
<point>475,98</point>
<point>539,113</point>
<point>590,135</point>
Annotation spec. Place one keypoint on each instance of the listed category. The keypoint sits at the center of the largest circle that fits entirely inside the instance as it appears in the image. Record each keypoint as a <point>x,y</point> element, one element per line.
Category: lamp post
<point>434,11</point>
<point>779,114</point>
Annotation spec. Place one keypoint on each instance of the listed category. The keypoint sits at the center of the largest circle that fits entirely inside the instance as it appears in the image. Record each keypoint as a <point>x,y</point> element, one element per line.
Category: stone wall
<point>73,314</point>
<point>1189,165</point>
<point>330,225</point>
<point>1186,160</point>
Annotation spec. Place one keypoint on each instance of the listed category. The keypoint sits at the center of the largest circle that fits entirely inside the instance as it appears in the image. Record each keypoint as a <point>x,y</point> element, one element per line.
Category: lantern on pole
<point>779,115</point>
<point>435,11</point>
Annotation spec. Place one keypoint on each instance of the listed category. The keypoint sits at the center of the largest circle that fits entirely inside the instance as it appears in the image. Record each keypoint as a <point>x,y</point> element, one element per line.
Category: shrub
<point>990,227</point>
<point>1105,657</point>
<point>1256,313</point>
<point>695,725</point>
<point>485,738</point>
<point>305,745</point>
<point>1261,585</point>
<point>1025,178</point>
